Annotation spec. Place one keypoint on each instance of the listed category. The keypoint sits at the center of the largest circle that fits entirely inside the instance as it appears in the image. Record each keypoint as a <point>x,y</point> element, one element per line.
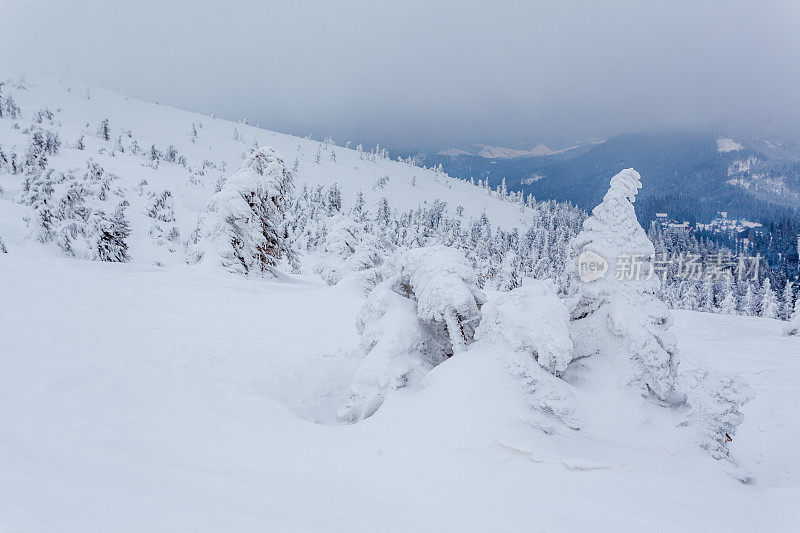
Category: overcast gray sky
<point>417,74</point>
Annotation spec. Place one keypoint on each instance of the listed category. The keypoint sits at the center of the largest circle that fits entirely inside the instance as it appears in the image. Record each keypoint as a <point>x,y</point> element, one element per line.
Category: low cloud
<point>415,75</point>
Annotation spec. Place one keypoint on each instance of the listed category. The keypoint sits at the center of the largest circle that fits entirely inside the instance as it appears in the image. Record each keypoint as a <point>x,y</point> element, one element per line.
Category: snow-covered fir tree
<point>425,312</point>
<point>769,305</point>
<point>728,304</point>
<point>618,315</point>
<point>111,236</point>
<point>104,130</point>
<point>527,331</point>
<point>787,301</point>
<point>793,327</point>
<point>247,217</point>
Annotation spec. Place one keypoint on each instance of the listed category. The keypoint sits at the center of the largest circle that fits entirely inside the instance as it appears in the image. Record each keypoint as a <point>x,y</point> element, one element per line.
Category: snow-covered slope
<point>141,398</point>
<point>201,159</point>
<point>155,395</point>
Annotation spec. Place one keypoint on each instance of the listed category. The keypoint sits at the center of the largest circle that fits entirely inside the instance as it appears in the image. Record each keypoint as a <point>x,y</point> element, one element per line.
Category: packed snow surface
<point>140,398</point>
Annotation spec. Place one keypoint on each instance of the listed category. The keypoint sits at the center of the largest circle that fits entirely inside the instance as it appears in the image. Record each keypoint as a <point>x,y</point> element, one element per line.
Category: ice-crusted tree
<point>162,213</point>
<point>706,296</point>
<point>36,155</point>
<point>769,304</point>
<point>73,212</point>
<point>446,290</point>
<point>334,199</point>
<point>350,252</point>
<point>714,401</point>
<point>615,313</point>
<point>414,320</point>
<point>508,277</point>
<point>793,327</point>
<point>110,236</point>
<point>162,207</point>
<point>728,304</point>
<point>339,245</point>
<point>749,301</point>
<point>786,301</point>
<point>12,109</point>
<point>247,216</point>
<point>397,348</point>
<point>103,130</point>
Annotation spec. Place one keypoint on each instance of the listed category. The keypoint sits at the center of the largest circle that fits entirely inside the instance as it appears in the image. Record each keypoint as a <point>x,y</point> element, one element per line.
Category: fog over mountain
<point>421,75</point>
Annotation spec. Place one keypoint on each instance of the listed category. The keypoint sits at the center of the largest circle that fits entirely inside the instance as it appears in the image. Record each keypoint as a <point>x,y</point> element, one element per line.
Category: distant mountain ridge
<point>487,151</point>
<point>689,174</point>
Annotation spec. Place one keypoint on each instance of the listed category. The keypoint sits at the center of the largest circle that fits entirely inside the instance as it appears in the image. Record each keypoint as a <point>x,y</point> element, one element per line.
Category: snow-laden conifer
<point>793,327</point>
<point>618,314</point>
<point>769,303</point>
<point>397,347</point>
<point>715,400</point>
<point>246,220</point>
<point>414,320</point>
<point>530,319</point>
<point>446,290</point>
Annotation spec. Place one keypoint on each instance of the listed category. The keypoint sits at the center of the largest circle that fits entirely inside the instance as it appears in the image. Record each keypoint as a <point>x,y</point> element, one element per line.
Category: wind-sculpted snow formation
<point>526,330</point>
<point>423,314</point>
<point>618,315</point>
<point>350,252</point>
<point>618,319</point>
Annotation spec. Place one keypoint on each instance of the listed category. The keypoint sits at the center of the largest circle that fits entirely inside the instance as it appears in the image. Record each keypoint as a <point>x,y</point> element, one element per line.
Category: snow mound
<point>530,319</point>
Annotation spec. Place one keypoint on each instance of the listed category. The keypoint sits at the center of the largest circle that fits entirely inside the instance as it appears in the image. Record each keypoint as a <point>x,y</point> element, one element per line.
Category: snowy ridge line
<point>156,150</point>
